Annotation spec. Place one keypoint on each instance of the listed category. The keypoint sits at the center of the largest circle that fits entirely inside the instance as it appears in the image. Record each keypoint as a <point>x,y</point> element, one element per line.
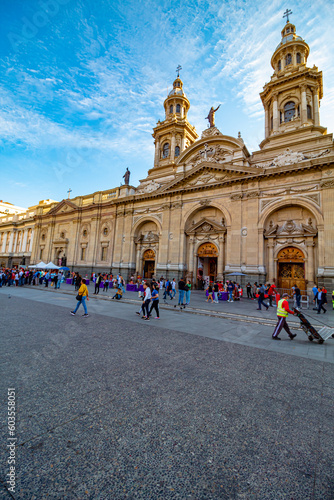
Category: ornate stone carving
<point>237,196</point>
<point>290,228</point>
<point>209,132</point>
<point>290,157</point>
<point>205,202</point>
<point>327,184</point>
<point>148,187</point>
<point>253,194</point>
<point>244,231</point>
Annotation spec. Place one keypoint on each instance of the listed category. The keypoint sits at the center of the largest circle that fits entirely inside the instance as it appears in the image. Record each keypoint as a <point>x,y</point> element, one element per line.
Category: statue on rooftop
<point>126,176</point>
<point>211,116</point>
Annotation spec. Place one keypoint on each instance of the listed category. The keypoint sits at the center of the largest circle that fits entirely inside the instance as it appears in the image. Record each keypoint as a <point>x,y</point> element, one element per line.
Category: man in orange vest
<point>282,313</point>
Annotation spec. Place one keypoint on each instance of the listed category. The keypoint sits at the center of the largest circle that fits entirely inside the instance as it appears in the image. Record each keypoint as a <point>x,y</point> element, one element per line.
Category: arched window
<point>178,108</point>
<point>279,65</point>
<point>309,112</point>
<point>288,59</point>
<point>165,150</point>
<point>298,58</point>
<point>171,109</point>
<point>177,150</point>
<point>289,111</point>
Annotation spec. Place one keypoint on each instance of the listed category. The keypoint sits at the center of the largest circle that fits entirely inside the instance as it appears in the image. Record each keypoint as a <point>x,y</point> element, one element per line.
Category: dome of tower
<point>291,52</point>
<point>177,89</point>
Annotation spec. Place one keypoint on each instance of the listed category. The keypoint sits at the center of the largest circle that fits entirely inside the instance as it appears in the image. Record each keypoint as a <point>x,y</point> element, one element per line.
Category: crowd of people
<point>20,276</point>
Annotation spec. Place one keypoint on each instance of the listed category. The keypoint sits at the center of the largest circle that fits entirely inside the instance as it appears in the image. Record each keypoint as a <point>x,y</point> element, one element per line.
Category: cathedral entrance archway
<point>148,263</point>
<point>291,268</point>
<point>207,256</point>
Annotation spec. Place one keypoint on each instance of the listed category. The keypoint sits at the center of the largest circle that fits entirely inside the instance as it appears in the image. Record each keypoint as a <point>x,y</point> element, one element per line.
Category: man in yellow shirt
<point>83,294</point>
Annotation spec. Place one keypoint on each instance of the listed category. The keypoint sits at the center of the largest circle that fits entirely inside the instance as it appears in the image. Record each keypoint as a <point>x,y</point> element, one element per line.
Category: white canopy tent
<point>51,265</point>
<point>40,265</point>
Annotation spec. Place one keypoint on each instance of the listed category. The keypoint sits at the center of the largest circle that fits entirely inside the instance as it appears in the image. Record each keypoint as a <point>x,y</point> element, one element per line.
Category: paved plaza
<point>201,404</point>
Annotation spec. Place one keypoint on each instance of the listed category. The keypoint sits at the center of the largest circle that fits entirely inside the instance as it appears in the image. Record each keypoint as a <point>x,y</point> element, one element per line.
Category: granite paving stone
<point>112,407</point>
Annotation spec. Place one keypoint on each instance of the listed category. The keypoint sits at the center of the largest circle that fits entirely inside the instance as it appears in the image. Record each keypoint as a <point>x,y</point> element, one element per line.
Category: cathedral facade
<point>208,208</point>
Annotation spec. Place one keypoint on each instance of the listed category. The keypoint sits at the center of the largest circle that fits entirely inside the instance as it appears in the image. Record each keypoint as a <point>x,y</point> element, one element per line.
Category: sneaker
<point>292,336</point>
<point>147,319</point>
<point>276,338</point>
<point>73,313</point>
<point>85,315</point>
<point>138,313</point>
<point>156,317</point>
<point>144,317</point>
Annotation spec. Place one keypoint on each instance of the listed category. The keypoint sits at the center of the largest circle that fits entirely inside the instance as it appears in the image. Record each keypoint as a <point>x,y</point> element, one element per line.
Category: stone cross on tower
<point>178,69</point>
<point>69,192</point>
<point>287,13</point>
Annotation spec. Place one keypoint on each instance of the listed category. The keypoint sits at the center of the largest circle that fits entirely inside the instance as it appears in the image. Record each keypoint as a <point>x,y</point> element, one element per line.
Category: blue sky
<point>83,82</point>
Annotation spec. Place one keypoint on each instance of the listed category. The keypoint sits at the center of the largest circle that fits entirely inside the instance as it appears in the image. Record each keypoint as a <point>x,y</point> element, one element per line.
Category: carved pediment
<point>205,226</point>
<point>203,175</point>
<point>148,237</point>
<point>148,187</point>
<point>63,206</point>
<point>290,228</point>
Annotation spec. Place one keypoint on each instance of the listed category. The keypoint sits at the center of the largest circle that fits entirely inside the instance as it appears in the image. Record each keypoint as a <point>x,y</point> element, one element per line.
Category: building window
<point>84,233</point>
<point>279,65</point>
<point>289,111</point>
<point>178,108</point>
<point>83,253</point>
<point>299,58</point>
<point>288,59</point>
<point>105,231</point>
<point>171,109</point>
<point>177,150</point>
<point>309,112</point>
<point>165,150</point>
<point>104,253</point>
<point>62,235</point>
<point>43,237</point>
<point>41,254</point>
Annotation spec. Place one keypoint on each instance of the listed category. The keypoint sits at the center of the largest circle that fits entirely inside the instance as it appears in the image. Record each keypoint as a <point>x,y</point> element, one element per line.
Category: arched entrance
<point>291,268</point>
<point>207,262</point>
<point>148,263</point>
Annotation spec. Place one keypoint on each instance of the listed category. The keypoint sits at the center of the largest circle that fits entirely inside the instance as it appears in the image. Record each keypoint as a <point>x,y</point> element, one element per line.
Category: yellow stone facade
<point>208,207</point>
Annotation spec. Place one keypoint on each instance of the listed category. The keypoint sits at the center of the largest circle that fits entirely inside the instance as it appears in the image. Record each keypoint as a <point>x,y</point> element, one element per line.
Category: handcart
<point>321,335</point>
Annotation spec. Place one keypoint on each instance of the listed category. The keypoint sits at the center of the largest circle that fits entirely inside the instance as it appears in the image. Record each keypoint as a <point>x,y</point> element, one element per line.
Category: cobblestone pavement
<point>113,407</point>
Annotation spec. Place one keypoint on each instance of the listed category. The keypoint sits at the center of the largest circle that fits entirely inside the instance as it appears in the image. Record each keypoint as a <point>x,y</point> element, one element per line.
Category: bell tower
<point>291,98</point>
<point>174,134</point>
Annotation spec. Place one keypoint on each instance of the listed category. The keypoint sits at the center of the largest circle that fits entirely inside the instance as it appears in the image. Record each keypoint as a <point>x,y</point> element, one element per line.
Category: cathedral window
<point>165,150</point>
<point>83,253</point>
<point>105,231</point>
<point>178,108</point>
<point>104,253</point>
<point>171,109</point>
<point>279,65</point>
<point>177,150</point>
<point>309,112</point>
<point>289,111</point>
<point>298,58</point>
<point>288,59</point>
<point>41,254</point>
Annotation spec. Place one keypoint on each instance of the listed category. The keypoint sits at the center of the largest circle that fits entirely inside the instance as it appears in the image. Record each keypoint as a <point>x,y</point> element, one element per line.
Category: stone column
<point>316,114</point>
<point>191,255</point>
<point>138,266</point>
<point>183,139</point>
<point>4,242</point>
<point>24,241</point>
<point>10,248</point>
<point>309,275</point>
<point>303,111</point>
<point>157,152</point>
<point>267,125</point>
<point>220,260</point>
<point>172,148</point>
<point>31,240</point>
<point>275,114</point>
<point>271,262</point>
